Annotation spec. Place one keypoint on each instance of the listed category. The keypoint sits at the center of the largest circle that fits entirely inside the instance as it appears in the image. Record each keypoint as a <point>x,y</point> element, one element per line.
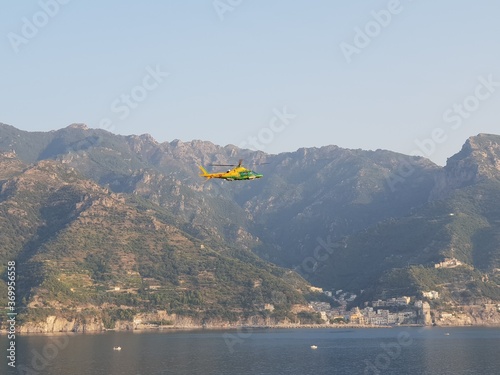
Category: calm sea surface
<point>401,350</point>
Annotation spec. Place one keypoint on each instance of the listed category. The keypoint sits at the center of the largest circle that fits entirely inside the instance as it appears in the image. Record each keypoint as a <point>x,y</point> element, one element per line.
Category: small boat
<point>314,347</point>
<point>447,334</point>
<point>117,348</point>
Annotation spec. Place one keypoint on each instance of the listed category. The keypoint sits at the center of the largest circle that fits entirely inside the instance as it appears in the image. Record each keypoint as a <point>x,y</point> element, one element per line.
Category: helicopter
<point>237,173</point>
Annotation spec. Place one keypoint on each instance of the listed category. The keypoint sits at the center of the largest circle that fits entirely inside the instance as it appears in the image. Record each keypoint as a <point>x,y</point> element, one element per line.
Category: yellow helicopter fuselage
<point>238,173</point>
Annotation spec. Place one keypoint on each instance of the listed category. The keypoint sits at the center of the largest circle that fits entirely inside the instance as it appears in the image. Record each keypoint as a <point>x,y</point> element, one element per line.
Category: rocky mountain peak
<point>78,126</point>
<point>478,160</point>
<point>480,154</point>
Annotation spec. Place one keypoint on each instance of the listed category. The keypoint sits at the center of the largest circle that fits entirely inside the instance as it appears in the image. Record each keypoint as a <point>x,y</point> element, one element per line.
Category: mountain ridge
<point>343,219</point>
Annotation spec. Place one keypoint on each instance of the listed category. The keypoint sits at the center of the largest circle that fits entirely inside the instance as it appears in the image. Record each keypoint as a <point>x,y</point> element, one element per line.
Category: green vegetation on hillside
<point>115,226</point>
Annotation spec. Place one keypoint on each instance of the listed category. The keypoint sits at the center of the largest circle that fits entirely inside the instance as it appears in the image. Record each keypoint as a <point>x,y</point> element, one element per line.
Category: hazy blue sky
<point>272,74</point>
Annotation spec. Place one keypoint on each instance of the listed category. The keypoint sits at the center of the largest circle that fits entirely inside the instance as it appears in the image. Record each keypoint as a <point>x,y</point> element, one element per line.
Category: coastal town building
<point>391,311</point>
<point>448,263</point>
<point>356,317</point>
<point>431,294</point>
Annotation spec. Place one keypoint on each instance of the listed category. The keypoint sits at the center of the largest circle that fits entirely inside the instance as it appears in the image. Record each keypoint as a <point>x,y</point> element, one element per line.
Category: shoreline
<point>169,329</point>
<point>206,328</point>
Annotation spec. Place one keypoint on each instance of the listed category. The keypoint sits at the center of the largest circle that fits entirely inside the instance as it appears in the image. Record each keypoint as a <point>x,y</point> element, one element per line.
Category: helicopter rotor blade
<point>235,165</point>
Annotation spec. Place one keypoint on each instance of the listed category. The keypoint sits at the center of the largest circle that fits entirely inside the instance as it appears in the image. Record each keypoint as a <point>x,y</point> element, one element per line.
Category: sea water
<point>401,350</point>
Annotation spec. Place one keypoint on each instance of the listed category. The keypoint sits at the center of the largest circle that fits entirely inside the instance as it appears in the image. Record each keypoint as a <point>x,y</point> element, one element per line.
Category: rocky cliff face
<point>54,324</point>
<point>159,320</point>
<point>479,160</point>
<point>469,315</point>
